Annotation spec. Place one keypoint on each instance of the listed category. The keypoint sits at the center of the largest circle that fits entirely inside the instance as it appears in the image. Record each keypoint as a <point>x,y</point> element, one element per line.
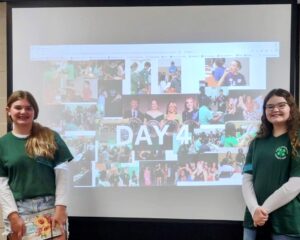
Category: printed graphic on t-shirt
<point>281,152</point>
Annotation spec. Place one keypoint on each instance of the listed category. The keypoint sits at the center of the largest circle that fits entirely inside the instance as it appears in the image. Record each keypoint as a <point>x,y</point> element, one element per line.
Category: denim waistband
<point>34,205</point>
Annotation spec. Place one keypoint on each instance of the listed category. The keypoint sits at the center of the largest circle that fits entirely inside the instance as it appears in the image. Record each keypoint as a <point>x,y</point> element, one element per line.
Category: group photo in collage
<point>130,122</point>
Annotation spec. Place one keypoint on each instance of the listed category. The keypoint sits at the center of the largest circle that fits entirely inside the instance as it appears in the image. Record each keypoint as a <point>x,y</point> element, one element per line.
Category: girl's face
<point>154,105</point>
<point>21,113</point>
<point>172,108</point>
<point>277,110</point>
<point>189,103</point>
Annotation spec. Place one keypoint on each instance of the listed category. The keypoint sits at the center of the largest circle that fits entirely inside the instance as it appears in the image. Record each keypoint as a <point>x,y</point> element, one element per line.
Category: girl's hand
<point>60,218</point>
<point>17,226</point>
<point>260,217</point>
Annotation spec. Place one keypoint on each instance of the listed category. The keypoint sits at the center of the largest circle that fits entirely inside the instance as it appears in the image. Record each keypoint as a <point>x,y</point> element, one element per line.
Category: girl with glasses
<point>271,174</point>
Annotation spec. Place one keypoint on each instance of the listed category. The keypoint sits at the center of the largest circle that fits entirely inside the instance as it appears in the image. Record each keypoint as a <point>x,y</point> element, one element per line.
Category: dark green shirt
<point>29,177</point>
<point>270,162</point>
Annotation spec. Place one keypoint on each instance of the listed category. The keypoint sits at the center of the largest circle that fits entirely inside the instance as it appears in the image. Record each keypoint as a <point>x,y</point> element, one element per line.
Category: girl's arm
<point>61,193</point>
<point>220,82</point>
<point>10,210</point>
<point>259,214</point>
<point>249,194</point>
<point>283,195</point>
<point>61,179</point>
<point>7,200</point>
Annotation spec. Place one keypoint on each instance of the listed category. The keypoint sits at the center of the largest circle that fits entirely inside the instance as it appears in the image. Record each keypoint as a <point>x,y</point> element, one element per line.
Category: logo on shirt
<point>281,152</point>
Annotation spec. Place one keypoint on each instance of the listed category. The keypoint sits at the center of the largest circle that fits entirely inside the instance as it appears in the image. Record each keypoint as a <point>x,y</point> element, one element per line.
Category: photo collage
<point>132,123</point>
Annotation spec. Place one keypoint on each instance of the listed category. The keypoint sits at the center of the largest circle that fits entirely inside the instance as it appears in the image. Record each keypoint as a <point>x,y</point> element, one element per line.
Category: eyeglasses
<point>280,106</point>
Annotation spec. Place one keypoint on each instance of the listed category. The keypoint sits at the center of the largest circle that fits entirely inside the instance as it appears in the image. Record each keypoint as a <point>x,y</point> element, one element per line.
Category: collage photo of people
<point>130,123</point>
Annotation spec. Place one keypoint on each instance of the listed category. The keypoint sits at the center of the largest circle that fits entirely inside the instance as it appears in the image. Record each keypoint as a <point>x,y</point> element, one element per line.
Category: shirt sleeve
<point>248,167</point>
<point>61,179</point>
<point>248,193</point>
<point>247,184</point>
<point>62,153</point>
<point>7,200</point>
<point>3,172</point>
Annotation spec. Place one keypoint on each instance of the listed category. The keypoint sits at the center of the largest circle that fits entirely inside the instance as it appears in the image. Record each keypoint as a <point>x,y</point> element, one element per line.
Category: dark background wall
<point>160,229</point>
<point>146,229</point>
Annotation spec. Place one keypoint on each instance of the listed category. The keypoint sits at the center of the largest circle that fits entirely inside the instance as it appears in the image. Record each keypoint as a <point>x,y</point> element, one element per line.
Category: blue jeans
<point>30,206</point>
<point>250,234</point>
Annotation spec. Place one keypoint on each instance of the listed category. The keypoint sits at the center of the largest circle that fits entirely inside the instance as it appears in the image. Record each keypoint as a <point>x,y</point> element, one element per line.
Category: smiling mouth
<point>23,118</point>
<point>276,116</point>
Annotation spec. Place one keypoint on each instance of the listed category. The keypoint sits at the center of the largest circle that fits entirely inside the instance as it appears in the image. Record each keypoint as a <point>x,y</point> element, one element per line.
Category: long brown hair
<point>293,125</point>
<point>41,141</point>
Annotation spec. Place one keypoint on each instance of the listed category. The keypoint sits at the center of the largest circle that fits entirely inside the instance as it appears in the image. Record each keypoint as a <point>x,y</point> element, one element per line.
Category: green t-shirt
<point>270,162</point>
<point>29,177</point>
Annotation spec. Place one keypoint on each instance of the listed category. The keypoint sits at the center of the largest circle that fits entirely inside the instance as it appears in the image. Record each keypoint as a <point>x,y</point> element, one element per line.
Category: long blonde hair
<point>41,141</point>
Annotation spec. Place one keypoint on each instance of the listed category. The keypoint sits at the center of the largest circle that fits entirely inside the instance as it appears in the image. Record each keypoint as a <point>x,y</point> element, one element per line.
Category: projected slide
<point>150,115</point>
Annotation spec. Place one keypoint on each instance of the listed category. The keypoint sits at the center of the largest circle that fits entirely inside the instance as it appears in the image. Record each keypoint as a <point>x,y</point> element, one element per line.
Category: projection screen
<point>157,104</point>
